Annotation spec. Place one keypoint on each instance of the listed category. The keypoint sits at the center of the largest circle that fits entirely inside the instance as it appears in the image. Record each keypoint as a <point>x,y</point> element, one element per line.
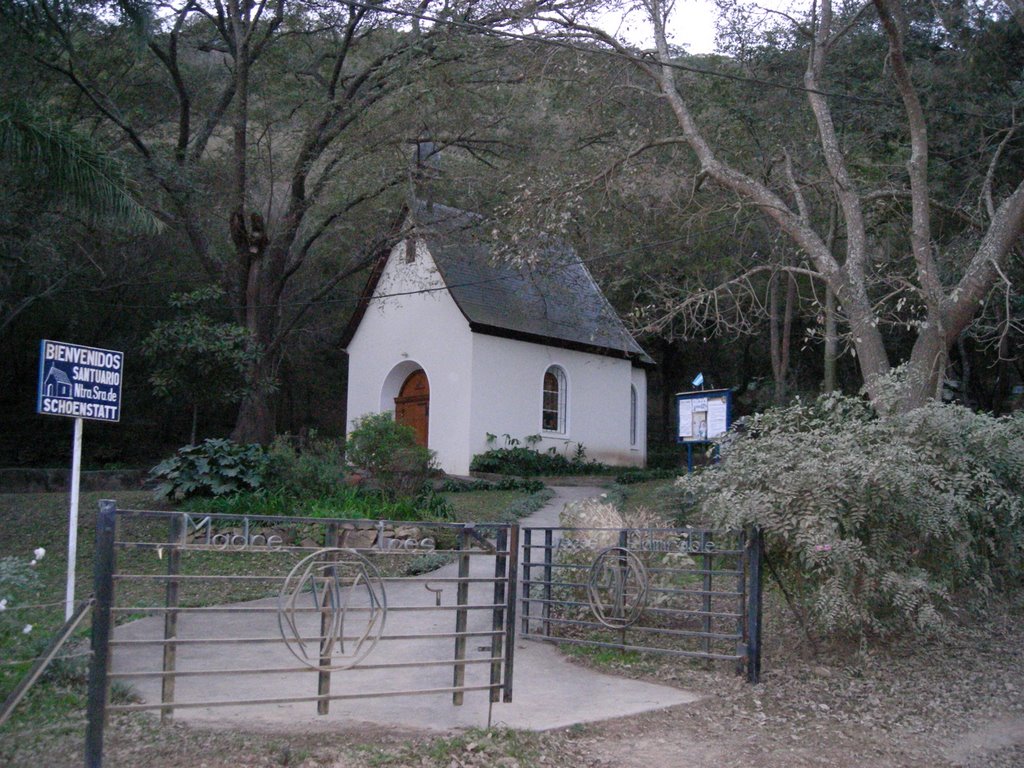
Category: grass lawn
<point>655,495</point>
<point>484,506</point>
<point>28,521</point>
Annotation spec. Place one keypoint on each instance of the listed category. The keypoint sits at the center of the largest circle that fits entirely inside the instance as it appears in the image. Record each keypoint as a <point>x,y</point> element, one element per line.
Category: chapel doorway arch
<point>412,406</point>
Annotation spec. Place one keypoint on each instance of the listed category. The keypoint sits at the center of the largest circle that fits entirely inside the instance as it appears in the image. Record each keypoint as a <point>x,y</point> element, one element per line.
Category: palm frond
<point>92,181</point>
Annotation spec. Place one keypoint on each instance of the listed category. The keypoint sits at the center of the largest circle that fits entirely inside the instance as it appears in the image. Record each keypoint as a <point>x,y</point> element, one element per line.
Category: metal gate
<point>679,591</point>
<point>227,608</point>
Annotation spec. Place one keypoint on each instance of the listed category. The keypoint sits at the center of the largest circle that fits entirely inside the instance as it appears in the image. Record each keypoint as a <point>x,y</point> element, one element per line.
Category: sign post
<point>81,383</point>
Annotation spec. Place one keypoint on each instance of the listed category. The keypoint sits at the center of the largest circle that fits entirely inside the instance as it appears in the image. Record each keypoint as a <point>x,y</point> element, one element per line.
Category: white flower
<point>26,629</point>
<point>33,562</point>
<point>39,552</point>
<point>3,604</point>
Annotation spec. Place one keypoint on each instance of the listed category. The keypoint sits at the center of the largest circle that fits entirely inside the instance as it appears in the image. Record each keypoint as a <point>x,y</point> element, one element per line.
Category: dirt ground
<point>958,702</point>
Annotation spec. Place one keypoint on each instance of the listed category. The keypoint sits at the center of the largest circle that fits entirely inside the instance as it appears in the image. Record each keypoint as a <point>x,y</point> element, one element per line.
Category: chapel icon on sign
<point>57,384</point>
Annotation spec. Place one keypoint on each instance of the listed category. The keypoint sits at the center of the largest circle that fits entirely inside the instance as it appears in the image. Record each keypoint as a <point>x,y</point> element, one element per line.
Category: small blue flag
<point>699,380</point>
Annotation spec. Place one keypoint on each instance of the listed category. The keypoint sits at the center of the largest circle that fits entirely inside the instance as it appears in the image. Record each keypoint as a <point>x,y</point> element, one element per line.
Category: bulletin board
<point>703,415</point>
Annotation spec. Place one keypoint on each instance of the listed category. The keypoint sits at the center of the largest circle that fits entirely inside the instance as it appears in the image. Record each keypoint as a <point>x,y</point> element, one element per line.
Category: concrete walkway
<point>548,690</point>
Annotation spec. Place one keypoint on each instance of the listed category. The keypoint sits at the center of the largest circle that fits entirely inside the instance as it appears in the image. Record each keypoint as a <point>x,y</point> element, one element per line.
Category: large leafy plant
<point>875,522</point>
<point>215,467</point>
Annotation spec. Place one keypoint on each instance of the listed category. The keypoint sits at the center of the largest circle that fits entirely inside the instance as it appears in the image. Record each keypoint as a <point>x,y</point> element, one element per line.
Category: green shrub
<point>390,453</point>
<point>527,462</point>
<point>874,522</point>
<point>308,468</point>
<point>452,485</point>
<point>215,467</point>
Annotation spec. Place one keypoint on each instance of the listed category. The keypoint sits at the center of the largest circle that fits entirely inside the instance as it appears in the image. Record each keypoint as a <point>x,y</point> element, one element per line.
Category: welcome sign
<point>79,382</point>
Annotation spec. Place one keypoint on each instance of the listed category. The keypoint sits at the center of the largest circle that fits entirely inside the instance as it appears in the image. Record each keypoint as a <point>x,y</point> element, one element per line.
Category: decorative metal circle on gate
<point>617,587</point>
<point>332,608</point>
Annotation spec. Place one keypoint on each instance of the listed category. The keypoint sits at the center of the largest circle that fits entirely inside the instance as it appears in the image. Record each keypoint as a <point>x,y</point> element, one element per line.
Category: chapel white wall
<point>424,327</point>
<point>507,396</point>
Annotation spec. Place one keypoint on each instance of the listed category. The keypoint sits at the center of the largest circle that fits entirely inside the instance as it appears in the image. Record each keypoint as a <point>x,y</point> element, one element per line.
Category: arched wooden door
<point>412,406</point>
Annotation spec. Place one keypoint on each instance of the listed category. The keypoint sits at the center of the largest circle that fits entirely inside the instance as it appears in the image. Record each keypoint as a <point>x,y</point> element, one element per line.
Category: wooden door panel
<point>412,406</point>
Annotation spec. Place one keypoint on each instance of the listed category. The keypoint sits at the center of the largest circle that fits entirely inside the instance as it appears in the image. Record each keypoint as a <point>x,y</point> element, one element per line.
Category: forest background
<point>203,185</point>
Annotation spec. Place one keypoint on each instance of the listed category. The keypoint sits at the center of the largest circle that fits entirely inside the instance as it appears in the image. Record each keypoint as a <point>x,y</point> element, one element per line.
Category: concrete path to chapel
<point>549,691</point>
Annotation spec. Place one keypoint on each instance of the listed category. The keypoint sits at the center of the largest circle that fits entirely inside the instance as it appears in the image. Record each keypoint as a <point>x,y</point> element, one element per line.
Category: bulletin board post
<point>703,416</point>
<point>80,383</point>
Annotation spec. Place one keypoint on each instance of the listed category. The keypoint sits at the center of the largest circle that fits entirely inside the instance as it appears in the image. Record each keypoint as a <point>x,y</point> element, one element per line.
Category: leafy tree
<point>197,359</point>
<point>296,106</point>
<point>951,268</point>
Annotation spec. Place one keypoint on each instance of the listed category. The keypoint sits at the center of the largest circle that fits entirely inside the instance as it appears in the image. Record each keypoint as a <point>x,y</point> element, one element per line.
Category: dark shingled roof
<point>552,300</point>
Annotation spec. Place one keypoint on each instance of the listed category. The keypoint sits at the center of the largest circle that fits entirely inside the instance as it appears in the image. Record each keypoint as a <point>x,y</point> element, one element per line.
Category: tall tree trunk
<point>831,341</point>
<point>781,330</point>
<point>257,420</point>
<point>965,370</point>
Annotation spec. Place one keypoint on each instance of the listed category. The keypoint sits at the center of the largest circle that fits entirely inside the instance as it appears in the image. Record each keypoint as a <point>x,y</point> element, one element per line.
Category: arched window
<point>554,404</point>
<point>632,415</point>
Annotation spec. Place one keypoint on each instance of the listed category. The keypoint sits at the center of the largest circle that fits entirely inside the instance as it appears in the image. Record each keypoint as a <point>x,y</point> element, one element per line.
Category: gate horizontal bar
<point>275,609</point>
<point>659,590</point>
<point>199,577</point>
<point>585,548</point>
<point>297,699</point>
<point>637,648</point>
<point>642,629</point>
<point>370,524</point>
<point>663,611</point>
<point>290,670</point>
<point>264,640</point>
<point>533,565</point>
<point>690,532</point>
<point>282,549</point>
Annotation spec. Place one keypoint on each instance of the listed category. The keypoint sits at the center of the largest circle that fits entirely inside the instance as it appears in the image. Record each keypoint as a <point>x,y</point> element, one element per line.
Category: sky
<point>692,24</point>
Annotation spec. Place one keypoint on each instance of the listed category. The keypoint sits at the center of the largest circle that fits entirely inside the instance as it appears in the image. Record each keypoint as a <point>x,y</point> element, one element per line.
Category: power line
<point>354,297</point>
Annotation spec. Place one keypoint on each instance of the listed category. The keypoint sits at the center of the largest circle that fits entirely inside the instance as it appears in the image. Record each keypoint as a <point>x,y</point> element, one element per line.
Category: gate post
<point>461,600</point>
<point>499,618</point>
<point>103,593</point>
<point>512,574</point>
<point>755,550</point>
<point>323,677</point>
<point>167,685</point>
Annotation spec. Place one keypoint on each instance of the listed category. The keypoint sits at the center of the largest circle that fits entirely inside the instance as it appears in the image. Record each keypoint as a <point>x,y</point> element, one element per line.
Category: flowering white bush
<point>18,581</point>
<point>873,522</point>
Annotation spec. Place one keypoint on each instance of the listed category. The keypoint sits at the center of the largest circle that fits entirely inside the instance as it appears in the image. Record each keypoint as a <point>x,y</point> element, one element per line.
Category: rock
<point>357,539</point>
